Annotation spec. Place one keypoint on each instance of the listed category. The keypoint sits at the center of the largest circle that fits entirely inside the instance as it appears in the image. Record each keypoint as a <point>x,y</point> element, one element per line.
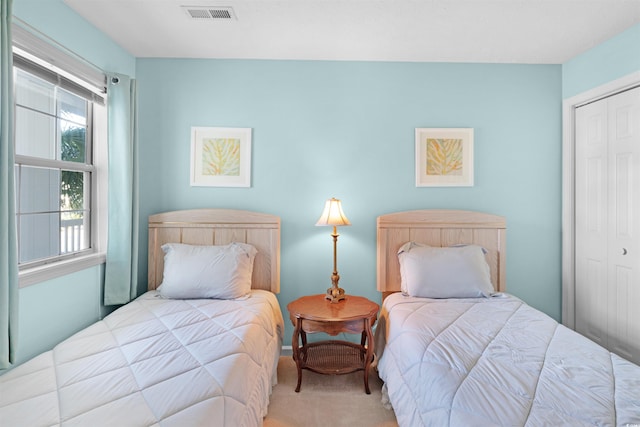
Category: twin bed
<point>455,352</point>
<point>165,361</point>
<point>449,350</point>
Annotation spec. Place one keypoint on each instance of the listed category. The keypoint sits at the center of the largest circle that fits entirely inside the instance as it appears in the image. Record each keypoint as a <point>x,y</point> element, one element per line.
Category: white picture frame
<point>220,157</point>
<point>444,157</point>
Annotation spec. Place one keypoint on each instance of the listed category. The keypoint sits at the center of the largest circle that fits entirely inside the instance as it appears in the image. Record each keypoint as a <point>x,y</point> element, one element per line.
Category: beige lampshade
<point>332,214</point>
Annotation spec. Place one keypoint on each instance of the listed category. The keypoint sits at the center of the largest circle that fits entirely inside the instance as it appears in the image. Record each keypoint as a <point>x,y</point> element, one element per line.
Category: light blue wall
<point>53,310</point>
<point>346,129</point>
<point>615,58</point>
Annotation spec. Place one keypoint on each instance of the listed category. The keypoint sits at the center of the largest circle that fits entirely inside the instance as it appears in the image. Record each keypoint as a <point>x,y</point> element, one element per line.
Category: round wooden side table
<point>354,315</point>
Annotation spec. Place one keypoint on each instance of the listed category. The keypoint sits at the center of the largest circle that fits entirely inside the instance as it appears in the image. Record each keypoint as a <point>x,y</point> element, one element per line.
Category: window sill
<point>51,271</point>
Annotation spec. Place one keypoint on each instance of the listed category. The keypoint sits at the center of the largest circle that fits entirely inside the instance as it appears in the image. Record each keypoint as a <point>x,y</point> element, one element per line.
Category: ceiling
<point>495,31</point>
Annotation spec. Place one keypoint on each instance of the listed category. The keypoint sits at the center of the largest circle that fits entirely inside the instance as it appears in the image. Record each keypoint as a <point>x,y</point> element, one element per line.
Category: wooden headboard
<point>218,227</point>
<point>439,228</point>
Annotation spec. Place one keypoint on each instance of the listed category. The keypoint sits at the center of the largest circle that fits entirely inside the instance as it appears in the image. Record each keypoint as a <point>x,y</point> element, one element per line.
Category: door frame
<point>569,106</point>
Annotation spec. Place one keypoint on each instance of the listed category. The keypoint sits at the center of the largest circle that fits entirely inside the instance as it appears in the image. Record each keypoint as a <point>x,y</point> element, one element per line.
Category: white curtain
<point>121,273</point>
<point>8,236</point>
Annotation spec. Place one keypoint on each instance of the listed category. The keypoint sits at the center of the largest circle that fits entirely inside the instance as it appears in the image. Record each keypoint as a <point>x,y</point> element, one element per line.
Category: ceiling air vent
<point>203,13</point>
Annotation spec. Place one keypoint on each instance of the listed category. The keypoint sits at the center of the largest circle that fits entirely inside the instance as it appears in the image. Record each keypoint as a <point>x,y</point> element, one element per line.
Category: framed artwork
<point>444,157</point>
<point>221,157</point>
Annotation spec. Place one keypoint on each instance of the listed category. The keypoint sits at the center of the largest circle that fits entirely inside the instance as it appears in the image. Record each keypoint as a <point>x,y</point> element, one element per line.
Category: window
<point>53,170</point>
<point>56,174</point>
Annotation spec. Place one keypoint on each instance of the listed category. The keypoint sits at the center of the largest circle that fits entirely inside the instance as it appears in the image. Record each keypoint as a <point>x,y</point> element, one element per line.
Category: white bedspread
<point>497,361</point>
<point>155,362</point>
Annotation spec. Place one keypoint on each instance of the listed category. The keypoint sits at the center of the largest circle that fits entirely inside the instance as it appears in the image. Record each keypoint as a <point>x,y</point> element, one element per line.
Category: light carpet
<point>326,400</point>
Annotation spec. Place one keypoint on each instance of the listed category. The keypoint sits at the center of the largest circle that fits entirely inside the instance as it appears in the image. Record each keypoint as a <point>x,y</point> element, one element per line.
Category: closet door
<point>591,222</point>
<point>624,224</point>
<point>608,223</point>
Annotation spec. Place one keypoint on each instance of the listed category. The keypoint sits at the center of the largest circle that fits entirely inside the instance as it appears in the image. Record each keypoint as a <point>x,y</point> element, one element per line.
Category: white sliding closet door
<point>607,228</point>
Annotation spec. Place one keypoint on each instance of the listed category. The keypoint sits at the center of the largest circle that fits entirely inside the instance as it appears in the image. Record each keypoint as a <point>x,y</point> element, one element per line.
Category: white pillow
<point>453,272</point>
<point>222,272</point>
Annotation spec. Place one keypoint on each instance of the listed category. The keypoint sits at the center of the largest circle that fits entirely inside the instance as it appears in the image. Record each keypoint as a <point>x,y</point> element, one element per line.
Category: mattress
<point>497,361</point>
<point>155,362</point>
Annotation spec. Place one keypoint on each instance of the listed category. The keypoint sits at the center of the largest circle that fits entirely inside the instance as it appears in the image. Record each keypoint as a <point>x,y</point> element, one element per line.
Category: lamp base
<point>335,294</point>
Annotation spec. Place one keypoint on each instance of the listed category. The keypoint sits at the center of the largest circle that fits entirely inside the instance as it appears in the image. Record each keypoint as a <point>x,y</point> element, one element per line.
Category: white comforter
<point>497,361</point>
<point>155,362</point>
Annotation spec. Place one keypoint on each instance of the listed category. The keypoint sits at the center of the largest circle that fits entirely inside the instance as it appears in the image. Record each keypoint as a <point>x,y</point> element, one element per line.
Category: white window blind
<point>62,68</point>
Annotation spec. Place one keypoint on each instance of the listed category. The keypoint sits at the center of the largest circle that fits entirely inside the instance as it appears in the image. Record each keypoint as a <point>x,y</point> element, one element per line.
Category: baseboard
<point>287,350</point>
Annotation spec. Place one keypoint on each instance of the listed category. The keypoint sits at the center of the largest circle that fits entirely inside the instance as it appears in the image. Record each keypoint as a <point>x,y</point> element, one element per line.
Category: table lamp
<point>333,215</point>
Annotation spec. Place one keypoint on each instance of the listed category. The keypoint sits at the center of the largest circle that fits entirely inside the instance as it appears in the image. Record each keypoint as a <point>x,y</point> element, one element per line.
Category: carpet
<point>326,400</point>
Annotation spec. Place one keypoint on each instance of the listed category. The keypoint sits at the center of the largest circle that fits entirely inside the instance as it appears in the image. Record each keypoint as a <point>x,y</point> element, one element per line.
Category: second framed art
<point>220,157</point>
<point>444,157</point>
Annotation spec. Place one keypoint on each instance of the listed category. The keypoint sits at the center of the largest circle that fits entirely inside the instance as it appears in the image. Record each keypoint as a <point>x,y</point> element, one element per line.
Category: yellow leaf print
<point>221,157</point>
<point>444,156</point>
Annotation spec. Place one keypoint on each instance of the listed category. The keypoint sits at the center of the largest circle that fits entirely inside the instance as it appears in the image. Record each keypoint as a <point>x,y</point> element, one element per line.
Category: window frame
<point>83,76</point>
